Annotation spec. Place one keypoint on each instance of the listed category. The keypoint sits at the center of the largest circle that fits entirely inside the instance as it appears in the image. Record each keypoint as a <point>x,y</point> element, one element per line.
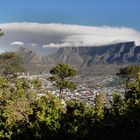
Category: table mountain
<point>120,53</point>
<point>102,58</point>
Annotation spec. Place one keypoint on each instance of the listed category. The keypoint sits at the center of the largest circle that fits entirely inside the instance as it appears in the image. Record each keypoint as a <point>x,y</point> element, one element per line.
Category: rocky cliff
<point>121,53</point>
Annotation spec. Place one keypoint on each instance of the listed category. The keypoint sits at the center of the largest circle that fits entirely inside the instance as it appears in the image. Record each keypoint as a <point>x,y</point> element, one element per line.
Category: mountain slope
<point>100,59</point>
<point>33,62</point>
<point>121,53</point>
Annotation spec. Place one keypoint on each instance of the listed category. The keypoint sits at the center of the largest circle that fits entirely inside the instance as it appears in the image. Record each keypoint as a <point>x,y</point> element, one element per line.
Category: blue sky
<point>82,12</point>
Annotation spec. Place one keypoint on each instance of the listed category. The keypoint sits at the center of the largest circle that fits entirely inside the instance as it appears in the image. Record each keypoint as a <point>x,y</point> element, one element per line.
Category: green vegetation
<point>1,33</point>
<point>26,115</point>
<point>129,72</point>
<point>61,73</point>
<point>10,65</point>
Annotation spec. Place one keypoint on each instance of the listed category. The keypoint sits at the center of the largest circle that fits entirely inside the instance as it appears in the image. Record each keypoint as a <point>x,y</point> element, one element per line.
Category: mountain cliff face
<point>30,57</point>
<point>121,53</point>
<point>84,57</point>
<point>33,62</point>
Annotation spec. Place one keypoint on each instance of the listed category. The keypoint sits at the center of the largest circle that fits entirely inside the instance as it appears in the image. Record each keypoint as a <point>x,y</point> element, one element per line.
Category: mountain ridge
<point>83,58</point>
<point>120,53</point>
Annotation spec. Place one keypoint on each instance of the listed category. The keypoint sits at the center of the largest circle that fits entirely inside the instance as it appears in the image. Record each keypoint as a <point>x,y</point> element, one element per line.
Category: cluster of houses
<point>87,87</point>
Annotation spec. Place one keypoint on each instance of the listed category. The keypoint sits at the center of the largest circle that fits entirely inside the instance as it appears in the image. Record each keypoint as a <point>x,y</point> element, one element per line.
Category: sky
<point>90,22</point>
<point>81,12</point>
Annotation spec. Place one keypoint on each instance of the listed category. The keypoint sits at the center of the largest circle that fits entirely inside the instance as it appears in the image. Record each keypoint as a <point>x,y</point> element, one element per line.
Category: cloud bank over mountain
<point>39,36</point>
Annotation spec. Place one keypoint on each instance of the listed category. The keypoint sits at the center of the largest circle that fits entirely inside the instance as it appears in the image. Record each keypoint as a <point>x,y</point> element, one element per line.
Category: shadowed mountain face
<point>121,53</point>
<point>84,57</point>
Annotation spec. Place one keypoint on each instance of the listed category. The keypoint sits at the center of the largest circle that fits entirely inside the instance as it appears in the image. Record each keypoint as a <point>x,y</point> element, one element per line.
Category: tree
<point>45,118</point>
<point>37,83</point>
<point>129,72</point>
<point>15,106</point>
<point>76,121</point>
<point>61,74</point>
<point>99,106</point>
<point>129,120</point>
<point>132,92</point>
<point>1,33</point>
<point>10,65</point>
<point>117,104</point>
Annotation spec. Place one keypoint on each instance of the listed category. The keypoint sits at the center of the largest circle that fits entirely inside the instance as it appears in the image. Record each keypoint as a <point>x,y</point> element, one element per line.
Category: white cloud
<point>17,43</point>
<point>63,35</point>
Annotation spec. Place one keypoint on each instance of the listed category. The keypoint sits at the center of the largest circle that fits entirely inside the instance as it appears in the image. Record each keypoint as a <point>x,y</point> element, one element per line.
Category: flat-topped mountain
<point>85,58</point>
<point>121,53</point>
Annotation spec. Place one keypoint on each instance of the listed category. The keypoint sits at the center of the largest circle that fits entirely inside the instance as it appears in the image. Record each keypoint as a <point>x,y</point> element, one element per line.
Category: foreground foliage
<point>25,115</point>
<point>10,65</point>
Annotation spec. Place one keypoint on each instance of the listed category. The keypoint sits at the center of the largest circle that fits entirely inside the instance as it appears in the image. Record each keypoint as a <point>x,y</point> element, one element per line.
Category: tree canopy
<point>61,73</point>
<point>129,72</point>
<point>25,115</point>
<point>10,64</point>
<point>1,33</point>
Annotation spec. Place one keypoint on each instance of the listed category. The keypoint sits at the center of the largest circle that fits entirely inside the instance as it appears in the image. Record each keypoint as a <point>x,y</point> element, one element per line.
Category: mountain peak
<point>125,52</point>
